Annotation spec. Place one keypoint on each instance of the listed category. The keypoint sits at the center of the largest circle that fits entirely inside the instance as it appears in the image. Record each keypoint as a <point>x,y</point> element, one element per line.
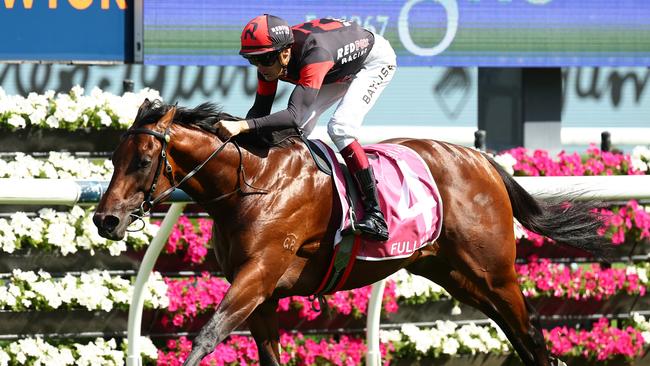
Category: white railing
<point>70,192</point>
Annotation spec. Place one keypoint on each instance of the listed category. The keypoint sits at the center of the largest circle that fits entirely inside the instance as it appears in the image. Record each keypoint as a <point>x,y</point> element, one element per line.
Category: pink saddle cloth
<point>408,197</point>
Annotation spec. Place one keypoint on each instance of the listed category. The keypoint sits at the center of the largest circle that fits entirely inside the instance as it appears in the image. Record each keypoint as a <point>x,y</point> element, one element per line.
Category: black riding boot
<point>373,224</point>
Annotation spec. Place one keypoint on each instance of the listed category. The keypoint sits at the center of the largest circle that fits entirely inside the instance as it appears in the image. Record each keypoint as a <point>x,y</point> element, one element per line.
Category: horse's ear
<point>145,104</point>
<point>167,119</point>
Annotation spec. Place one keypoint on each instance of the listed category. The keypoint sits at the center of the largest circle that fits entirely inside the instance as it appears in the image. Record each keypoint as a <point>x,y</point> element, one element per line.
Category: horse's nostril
<point>97,220</point>
<point>110,222</point>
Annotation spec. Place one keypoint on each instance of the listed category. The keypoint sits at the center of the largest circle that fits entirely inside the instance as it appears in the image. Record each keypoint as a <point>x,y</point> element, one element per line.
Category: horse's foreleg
<point>250,287</point>
<point>263,324</point>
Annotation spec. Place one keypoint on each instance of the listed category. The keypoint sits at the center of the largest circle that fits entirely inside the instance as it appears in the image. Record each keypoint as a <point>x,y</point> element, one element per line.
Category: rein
<point>165,138</point>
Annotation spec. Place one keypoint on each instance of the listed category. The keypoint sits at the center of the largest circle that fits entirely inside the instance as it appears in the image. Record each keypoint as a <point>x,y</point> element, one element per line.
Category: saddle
<point>408,197</point>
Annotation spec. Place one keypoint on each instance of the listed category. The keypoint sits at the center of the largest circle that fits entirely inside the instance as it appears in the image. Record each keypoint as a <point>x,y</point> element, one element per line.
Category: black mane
<point>205,116</point>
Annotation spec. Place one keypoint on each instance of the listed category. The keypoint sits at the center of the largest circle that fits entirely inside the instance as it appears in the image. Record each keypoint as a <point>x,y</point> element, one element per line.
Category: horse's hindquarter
<point>475,202</point>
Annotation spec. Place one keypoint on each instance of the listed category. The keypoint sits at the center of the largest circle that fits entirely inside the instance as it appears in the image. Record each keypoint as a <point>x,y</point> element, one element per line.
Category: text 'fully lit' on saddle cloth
<point>408,197</point>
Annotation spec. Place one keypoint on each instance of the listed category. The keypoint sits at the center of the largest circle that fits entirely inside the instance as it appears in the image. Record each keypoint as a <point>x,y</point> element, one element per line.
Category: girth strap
<point>345,255</point>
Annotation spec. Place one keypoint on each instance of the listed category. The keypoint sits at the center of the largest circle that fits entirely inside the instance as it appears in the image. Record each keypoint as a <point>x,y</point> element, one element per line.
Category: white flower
<point>424,343</point>
<point>456,310</point>
<point>643,276</point>
<point>28,276</point>
<point>410,331</point>
<point>643,325</point>
<point>520,232</point>
<point>50,291</point>
<point>17,121</point>
<point>450,346</point>
<point>412,286</point>
<point>507,161</point>
<point>104,118</point>
<point>646,337</point>
<point>639,164</point>
<point>99,352</point>
<point>77,91</point>
<point>7,299</point>
<point>38,116</point>
<point>52,122</point>
<point>390,336</point>
<point>20,224</point>
<point>62,235</point>
<point>4,358</point>
<point>47,214</point>
<point>36,230</point>
<point>469,336</point>
<point>8,238</point>
<point>641,152</point>
<point>147,348</point>
<point>155,291</point>
<point>446,327</point>
<point>116,248</point>
<point>77,212</point>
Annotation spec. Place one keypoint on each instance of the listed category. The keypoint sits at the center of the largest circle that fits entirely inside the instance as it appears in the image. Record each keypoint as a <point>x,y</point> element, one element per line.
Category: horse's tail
<point>563,219</point>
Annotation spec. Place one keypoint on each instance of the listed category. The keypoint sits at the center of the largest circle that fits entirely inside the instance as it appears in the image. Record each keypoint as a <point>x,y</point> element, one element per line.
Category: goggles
<point>265,59</point>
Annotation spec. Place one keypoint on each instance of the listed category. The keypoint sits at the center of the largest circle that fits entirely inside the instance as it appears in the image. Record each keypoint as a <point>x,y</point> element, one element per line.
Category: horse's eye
<point>144,163</point>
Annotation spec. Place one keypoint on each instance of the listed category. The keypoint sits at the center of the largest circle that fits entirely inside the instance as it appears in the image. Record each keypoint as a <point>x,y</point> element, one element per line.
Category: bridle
<point>149,202</point>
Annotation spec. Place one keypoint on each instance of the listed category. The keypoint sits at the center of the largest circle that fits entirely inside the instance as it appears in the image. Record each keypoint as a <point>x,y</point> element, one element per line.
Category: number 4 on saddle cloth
<point>408,197</point>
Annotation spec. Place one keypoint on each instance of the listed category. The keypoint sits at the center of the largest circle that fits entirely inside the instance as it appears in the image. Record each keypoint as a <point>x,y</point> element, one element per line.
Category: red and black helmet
<point>265,33</point>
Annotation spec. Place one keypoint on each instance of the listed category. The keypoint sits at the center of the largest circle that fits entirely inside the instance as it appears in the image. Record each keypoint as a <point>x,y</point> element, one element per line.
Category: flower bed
<point>36,351</point>
<point>409,345</point>
<point>71,111</point>
<point>57,165</point>
<point>581,282</point>
<point>65,232</point>
<point>522,162</point>
<point>94,290</point>
<point>70,122</point>
<point>69,232</point>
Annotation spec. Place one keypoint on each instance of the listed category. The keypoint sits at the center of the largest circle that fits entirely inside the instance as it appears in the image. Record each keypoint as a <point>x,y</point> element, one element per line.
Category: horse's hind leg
<point>263,324</point>
<point>510,303</point>
<point>509,313</point>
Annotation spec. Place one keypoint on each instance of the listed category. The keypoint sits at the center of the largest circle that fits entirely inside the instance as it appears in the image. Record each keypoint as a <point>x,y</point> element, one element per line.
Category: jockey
<point>329,61</point>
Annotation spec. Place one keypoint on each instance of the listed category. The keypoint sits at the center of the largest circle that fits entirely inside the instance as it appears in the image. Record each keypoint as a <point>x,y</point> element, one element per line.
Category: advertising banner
<point>66,30</point>
<point>423,32</point>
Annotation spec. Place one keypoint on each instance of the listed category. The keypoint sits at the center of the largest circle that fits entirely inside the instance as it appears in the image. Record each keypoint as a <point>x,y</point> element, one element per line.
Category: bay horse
<point>266,192</point>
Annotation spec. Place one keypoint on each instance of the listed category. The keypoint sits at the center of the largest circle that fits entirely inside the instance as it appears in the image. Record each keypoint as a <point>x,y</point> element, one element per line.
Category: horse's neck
<point>191,149</point>
<point>244,167</point>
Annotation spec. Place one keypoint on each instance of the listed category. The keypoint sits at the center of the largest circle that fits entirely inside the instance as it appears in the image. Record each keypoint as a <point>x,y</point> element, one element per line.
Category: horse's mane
<point>205,116</point>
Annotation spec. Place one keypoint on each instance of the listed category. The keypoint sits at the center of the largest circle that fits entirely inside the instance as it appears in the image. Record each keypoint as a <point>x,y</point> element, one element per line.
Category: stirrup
<point>371,228</point>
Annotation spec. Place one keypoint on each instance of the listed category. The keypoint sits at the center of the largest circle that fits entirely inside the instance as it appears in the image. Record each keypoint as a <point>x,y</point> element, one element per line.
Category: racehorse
<point>263,189</point>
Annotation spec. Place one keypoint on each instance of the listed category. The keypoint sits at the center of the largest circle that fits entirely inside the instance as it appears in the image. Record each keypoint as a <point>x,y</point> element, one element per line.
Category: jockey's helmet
<point>265,34</point>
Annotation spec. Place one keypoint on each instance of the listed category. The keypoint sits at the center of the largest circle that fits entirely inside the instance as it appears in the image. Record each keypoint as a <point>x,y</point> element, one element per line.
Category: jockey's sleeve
<point>263,97</point>
<point>303,96</point>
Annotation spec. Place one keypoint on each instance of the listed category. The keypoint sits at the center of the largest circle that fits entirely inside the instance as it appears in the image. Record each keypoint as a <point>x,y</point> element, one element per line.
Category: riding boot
<point>373,224</point>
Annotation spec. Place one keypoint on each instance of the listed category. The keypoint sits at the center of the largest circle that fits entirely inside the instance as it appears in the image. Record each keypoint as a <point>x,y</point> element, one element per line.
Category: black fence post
<point>605,141</point>
<point>127,86</point>
<point>479,139</point>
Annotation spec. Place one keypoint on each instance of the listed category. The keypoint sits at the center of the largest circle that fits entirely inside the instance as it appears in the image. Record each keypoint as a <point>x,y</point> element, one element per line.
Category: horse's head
<point>141,170</point>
